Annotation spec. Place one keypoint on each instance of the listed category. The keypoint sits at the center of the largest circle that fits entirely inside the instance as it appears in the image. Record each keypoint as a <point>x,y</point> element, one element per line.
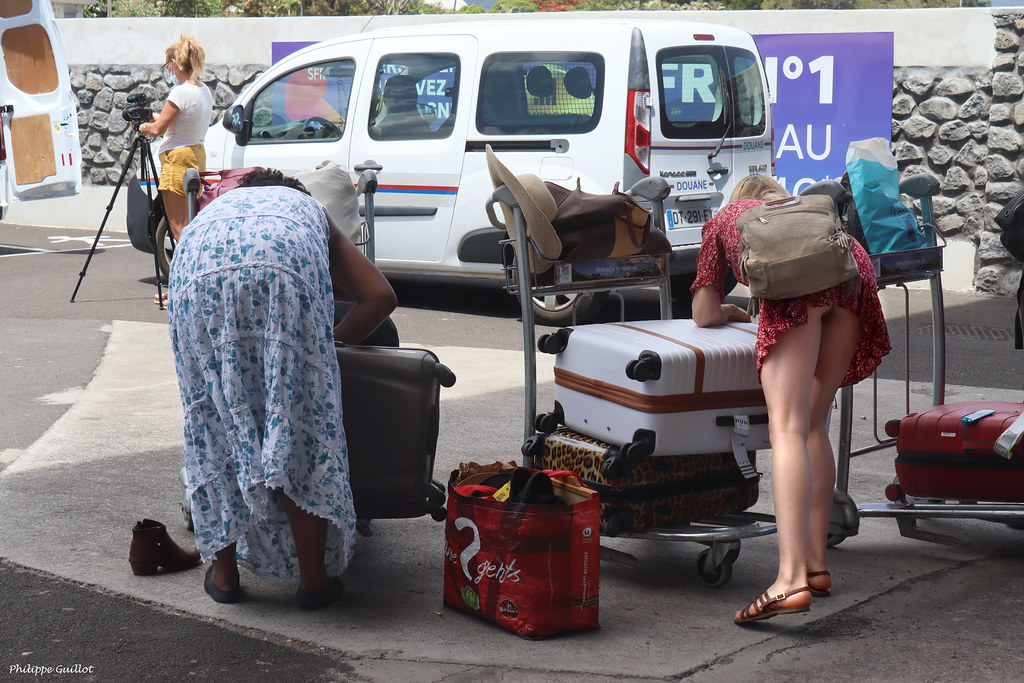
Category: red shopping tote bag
<point>530,568</point>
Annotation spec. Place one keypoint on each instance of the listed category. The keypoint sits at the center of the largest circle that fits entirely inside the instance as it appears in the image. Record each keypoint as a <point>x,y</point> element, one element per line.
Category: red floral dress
<point>720,247</point>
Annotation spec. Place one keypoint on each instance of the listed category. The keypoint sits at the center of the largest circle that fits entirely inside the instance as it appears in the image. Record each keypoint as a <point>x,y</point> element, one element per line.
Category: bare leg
<point>176,208</point>
<point>787,376</point>
<point>840,332</point>
<point>310,534</point>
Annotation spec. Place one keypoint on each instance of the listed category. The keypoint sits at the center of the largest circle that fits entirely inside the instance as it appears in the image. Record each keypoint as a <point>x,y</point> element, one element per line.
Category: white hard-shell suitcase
<point>666,387</point>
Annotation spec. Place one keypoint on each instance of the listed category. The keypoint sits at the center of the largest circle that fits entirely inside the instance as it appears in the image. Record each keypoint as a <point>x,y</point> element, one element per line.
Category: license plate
<point>688,217</point>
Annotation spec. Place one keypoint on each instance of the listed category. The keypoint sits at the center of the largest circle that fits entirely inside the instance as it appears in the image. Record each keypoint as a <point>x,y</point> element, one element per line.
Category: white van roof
<point>548,30</point>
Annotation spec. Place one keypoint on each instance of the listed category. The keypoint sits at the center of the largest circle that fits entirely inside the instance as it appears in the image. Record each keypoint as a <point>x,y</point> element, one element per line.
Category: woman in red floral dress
<point>807,348</point>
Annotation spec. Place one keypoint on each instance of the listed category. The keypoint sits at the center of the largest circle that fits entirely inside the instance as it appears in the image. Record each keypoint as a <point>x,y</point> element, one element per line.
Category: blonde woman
<point>807,347</point>
<point>182,123</point>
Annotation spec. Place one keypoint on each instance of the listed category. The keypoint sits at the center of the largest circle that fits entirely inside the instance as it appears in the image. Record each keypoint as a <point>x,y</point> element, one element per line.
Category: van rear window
<point>710,91</point>
<point>540,93</point>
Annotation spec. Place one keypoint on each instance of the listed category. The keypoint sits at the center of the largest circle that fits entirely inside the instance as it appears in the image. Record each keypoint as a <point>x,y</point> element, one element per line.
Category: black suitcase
<point>390,408</point>
<point>655,491</point>
<point>390,405</point>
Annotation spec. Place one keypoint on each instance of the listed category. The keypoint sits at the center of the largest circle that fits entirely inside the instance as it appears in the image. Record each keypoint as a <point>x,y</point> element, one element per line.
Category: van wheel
<point>164,249</point>
<point>557,310</point>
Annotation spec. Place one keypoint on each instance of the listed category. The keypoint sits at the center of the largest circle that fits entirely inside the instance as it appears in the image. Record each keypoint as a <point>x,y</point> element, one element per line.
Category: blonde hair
<point>758,187</point>
<point>188,55</point>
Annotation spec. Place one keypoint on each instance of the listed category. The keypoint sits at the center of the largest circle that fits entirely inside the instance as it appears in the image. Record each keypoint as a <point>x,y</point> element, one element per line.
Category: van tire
<point>557,311</point>
<point>164,249</point>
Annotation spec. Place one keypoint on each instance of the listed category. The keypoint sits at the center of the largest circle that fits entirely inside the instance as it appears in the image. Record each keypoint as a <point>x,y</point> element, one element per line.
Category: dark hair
<point>265,177</point>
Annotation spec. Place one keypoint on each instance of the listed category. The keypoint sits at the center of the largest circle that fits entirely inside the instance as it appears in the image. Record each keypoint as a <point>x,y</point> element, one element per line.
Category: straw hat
<point>537,205</point>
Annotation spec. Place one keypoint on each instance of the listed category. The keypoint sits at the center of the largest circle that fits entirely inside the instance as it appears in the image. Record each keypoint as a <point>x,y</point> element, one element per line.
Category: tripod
<point>148,172</point>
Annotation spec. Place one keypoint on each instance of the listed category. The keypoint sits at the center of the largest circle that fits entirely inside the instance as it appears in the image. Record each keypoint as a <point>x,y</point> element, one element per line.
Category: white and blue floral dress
<point>251,312</point>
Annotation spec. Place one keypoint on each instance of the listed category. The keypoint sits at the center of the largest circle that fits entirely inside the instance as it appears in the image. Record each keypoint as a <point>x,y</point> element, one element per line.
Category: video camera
<point>139,111</point>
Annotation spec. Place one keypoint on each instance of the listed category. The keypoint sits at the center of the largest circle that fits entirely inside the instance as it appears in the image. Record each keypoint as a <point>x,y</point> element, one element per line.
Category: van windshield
<point>710,91</point>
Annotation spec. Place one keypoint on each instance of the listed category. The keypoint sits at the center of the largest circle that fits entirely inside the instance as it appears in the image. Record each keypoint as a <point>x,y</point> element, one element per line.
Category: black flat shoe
<point>329,594</point>
<point>218,595</point>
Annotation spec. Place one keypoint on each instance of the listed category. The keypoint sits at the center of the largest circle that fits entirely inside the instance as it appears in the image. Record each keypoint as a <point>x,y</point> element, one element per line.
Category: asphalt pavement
<point>90,442</point>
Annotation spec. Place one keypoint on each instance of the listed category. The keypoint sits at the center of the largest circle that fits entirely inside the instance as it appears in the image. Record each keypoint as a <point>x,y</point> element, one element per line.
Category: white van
<point>40,155</point>
<point>565,100</point>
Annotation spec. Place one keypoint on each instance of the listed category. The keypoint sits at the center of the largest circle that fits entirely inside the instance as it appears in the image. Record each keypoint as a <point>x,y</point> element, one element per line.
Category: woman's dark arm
<point>354,274</point>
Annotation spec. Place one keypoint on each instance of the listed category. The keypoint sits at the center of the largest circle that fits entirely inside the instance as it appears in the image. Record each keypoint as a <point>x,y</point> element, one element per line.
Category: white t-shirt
<point>195,104</point>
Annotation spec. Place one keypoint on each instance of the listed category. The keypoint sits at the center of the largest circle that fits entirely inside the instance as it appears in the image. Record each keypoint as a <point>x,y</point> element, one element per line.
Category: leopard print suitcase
<point>657,491</point>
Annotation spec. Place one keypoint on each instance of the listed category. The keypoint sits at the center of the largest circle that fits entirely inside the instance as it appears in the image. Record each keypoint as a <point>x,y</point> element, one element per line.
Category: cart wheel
<point>716,576</point>
<point>439,514</point>
<point>165,248</point>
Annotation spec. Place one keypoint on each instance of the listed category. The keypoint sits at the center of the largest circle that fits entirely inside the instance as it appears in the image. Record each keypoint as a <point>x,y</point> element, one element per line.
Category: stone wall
<point>103,90</point>
<point>964,126</point>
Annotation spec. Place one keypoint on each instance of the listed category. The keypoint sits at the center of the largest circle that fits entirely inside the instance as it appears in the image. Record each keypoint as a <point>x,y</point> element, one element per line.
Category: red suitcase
<point>946,452</point>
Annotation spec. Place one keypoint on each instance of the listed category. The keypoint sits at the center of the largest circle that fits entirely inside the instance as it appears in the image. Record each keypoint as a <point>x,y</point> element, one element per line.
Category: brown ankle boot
<point>152,547</point>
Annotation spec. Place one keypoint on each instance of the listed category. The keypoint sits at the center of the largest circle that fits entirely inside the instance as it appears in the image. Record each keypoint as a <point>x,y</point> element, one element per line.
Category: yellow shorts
<point>174,163</point>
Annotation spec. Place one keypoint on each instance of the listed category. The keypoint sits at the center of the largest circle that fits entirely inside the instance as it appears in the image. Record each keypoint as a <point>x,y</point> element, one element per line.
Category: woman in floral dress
<point>251,312</point>
<point>807,348</point>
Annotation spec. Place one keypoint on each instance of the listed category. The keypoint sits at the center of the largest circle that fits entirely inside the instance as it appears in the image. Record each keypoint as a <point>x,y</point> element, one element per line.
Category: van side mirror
<point>234,120</point>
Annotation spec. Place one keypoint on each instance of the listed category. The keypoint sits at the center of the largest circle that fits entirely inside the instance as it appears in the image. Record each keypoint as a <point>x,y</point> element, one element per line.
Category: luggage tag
<point>740,432</point>
<point>1006,442</point>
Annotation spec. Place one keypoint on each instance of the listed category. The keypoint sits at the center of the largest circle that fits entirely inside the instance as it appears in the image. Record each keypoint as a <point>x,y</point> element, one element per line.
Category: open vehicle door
<point>40,155</point>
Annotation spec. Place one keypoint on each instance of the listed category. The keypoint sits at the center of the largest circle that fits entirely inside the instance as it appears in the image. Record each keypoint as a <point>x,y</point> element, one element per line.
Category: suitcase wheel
<point>615,464</point>
<point>716,575</point>
<point>642,445</point>
<point>646,367</point>
<point>548,422</point>
<point>555,342</point>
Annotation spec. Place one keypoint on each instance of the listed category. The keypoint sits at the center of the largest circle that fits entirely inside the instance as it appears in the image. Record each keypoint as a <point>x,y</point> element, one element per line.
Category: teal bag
<point>874,183</point>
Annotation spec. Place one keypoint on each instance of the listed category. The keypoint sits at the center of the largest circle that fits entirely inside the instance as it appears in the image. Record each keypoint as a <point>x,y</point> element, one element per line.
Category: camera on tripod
<point>139,111</point>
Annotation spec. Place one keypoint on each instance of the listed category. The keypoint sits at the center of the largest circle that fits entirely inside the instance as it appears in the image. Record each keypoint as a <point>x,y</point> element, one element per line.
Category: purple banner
<point>280,50</point>
<point>830,89</point>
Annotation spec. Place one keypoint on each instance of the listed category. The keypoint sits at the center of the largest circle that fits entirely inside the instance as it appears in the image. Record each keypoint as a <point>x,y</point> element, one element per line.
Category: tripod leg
<point>106,215</point>
<point>147,157</point>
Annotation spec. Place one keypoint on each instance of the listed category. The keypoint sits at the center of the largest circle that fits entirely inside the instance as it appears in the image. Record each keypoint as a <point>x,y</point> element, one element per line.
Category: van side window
<point>310,103</point>
<point>414,97</point>
<point>709,91</point>
<point>540,93</point>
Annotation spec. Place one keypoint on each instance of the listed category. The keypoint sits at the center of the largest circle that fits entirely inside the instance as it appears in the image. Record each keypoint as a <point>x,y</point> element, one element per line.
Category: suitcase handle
<point>727,421</point>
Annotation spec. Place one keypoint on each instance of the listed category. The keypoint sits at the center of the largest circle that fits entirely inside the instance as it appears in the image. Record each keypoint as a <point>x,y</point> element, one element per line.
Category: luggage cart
<point>722,534</point>
<point>899,269</point>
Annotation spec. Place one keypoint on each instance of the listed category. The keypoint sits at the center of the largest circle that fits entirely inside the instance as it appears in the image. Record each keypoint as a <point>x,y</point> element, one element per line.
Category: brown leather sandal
<point>765,606</point>
<point>822,588</point>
